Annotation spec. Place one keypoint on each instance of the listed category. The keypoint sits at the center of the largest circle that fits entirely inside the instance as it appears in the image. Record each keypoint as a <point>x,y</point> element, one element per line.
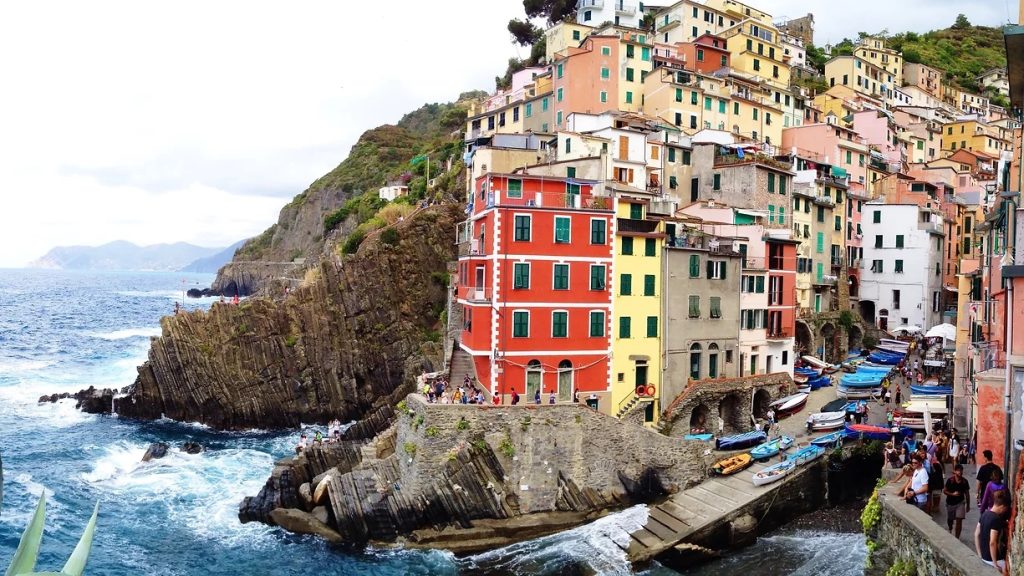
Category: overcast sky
<point>196,121</point>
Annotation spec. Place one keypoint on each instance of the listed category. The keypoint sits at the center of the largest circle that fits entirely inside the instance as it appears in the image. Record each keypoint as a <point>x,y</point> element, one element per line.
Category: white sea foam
<point>14,365</point>
<point>23,402</point>
<point>128,333</point>
<point>200,492</point>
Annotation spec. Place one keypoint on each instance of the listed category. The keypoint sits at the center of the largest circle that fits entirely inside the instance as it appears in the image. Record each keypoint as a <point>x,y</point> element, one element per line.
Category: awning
<point>838,172</point>
<point>933,406</point>
<point>951,289</point>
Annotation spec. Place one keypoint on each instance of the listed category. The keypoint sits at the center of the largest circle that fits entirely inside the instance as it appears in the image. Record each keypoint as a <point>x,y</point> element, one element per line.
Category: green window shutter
<point>605,73</point>
<point>629,74</point>
<point>561,276</point>
<point>673,183</point>
<point>627,246</point>
<point>650,247</point>
<point>597,277</point>
<point>522,228</point>
<point>559,324</point>
<point>849,157</point>
<point>721,106</point>
<point>771,183</point>
<point>624,327</point>
<point>839,223</point>
<point>694,306</point>
<point>558,95</point>
<point>625,284</point>
<point>716,181</point>
<point>671,154</point>
<point>694,266</point>
<point>693,98</point>
<point>679,94</point>
<point>716,307</point>
<point>686,157</point>
<point>707,102</point>
<point>521,276</point>
<point>597,324</point>
<point>597,231</point>
<point>759,284</point>
<point>629,97</point>
<point>630,50</point>
<point>528,109</point>
<point>782,184</point>
<point>515,190</point>
<point>645,53</point>
<point>570,172</point>
<point>771,214</point>
<point>821,271</point>
<point>648,284</point>
<point>821,243</point>
<point>652,326</point>
<point>782,214</point>
<point>710,269</point>
<point>899,240</point>
<point>520,324</point>
<point>544,104</point>
<point>736,108</point>
<point>562,230</point>
<point>636,211</point>
<point>876,217</point>
<point>724,268</point>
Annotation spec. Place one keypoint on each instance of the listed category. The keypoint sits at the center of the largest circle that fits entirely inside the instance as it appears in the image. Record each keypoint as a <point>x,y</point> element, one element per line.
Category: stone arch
<point>714,370</point>
<point>699,417</point>
<point>762,398</point>
<point>856,337</point>
<point>829,342</point>
<point>867,311</point>
<point>804,338</point>
<point>730,411</point>
<point>883,319</point>
<point>854,285</point>
<point>695,354</point>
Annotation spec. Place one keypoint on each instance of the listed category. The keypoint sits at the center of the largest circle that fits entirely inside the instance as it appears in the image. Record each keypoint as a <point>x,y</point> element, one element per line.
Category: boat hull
<point>741,441</point>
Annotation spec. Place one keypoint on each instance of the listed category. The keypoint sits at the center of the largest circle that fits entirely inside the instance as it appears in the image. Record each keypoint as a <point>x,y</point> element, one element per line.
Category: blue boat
<point>740,441</point>
<point>872,368</point>
<point>702,437</point>
<point>806,454</point>
<point>931,390</point>
<point>829,440</point>
<point>771,448</point>
<point>883,357</point>
<point>819,382</point>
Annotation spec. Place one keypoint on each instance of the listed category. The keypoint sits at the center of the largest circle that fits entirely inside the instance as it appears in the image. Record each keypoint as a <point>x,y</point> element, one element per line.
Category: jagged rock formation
<point>352,338</point>
<point>468,477</point>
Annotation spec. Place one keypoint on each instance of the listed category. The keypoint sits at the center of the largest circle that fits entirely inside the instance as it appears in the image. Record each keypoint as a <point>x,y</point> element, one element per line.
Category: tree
<point>523,32</point>
<point>553,10</point>
<point>962,23</point>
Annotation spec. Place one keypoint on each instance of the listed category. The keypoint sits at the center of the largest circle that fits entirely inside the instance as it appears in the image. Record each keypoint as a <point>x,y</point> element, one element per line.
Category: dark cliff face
<point>350,339</point>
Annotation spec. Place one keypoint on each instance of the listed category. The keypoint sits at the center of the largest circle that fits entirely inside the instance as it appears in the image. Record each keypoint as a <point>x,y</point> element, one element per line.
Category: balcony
<point>837,262</point>
<point>824,280</point>
<point>562,200</point>
<point>833,181</point>
<point>592,4</point>
<point>667,24</point>
<point>481,294</point>
<point>750,158</point>
<point>625,8</point>
<point>638,226</point>
<point>780,333</point>
<point>826,201</point>
<point>757,263</point>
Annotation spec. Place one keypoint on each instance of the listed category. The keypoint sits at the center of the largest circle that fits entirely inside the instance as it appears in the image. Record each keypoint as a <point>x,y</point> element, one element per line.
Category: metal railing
<point>549,200</point>
<point>592,4</point>
<point>641,226</point>
<point>756,263</point>
<point>625,8</point>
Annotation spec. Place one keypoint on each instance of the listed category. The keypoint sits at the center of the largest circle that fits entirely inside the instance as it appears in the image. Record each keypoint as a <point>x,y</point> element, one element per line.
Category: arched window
<point>695,351</point>
<point>565,381</point>
<point>713,361</point>
<point>534,377</point>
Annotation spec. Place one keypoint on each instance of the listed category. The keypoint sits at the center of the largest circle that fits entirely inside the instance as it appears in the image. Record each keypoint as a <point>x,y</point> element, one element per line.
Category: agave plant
<point>24,562</point>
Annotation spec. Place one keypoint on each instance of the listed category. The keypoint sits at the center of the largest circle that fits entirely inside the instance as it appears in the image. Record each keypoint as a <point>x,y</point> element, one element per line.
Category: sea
<point>62,331</point>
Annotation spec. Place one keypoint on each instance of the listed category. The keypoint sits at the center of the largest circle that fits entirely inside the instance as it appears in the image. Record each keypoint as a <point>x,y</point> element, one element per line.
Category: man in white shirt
<point>918,484</point>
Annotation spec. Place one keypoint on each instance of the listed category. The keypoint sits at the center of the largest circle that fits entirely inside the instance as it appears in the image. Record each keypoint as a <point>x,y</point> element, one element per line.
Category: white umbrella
<point>947,331</point>
<point>909,329</point>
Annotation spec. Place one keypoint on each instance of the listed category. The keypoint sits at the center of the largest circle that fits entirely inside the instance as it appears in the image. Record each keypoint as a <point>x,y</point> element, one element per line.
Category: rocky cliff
<point>470,477</point>
<point>351,338</point>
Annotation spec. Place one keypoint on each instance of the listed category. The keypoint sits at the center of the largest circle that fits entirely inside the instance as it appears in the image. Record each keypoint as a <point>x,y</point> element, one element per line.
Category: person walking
<point>954,450</point>
<point>989,532</point>
<point>957,491</point>
<point>995,484</point>
<point>985,474</point>
<point>916,490</point>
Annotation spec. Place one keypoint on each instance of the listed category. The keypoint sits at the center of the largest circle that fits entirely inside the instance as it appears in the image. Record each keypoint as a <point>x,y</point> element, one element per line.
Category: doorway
<point>534,377</point>
<point>641,374</point>
<point>564,381</point>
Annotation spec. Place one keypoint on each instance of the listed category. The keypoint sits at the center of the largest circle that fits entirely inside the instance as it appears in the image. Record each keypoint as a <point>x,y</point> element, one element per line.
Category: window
<point>605,74</point>
<point>782,185</point>
<point>757,64</point>
<point>694,266</point>
<point>876,266</point>
<point>782,214</point>
<point>568,145</point>
<point>876,217</point>
<point>899,266</point>
<point>570,172</point>
<point>544,104</point>
<point>586,16</point>
<point>771,183</point>
<point>597,231</point>
<point>521,276</point>
<point>636,211</point>
<point>520,324</point>
<point>716,307</point>
<point>515,188</point>
<point>605,50</point>
<point>899,240</point>
<point>693,98</point>
<point>560,324</point>
<point>650,247</point>
<point>575,34</point>
<point>624,327</point>
<point>695,351</point>
<point>686,157</point>
<point>716,181</point>
<point>627,246</point>
<point>839,224</point>
<point>716,270</point>
<point>725,60</point>
<point>522,228</point>
<point>707,103</point>
<point>896,299</point>
<point>528,109</point>
<point>755,113</point>
<point>671,155</point>
<point>820,248</point>
<point>597,276</point>
<point>562,228</point>
<point>558,95</point>
<point>561,276</point>
<point>700,55</point>
<point>629,97</point>
<point>821,213</point>
<point>694,306</point>
<point>736,108</point>
<point>645,53</point>
<point>652,326</point>
<point>649,284</point>
<point>597,324</point>
<point>625,284</point>
<point>878,241</point>
<point>759,285</point>
<point>629,74</point>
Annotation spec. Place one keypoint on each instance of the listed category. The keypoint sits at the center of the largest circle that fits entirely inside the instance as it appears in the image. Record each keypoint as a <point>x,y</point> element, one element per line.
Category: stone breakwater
<point>351,339</point>
<point>468,478</point>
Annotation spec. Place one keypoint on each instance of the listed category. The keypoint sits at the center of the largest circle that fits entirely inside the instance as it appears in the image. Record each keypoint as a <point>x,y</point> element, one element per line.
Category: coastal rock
<point>306,496</point>
<point>53,397</point>
<point>94,400</point>
<point>320,513</point>
<point>155,451</point>
<point>301,522</point>
<point>350,339</point>
<point>191,447</point>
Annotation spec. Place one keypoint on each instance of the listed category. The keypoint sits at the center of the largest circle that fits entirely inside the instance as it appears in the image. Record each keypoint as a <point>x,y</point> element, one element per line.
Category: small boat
<point>789,404</point>
<point>740,441</point>
<point>819,382</point>
<point>835,405</point>
<point>829,440</point>
<point>872,432</point>
<point>800,378</point>
<point>894,344</point>
<point>816,363</point>
<point>702,437</point>
<point>771,448</point>
<point>806,454</point>
<point>931,390</point>
<point>732,464</point>
<point>831,369</point>
<point>846,393</point>
<point>828,420</point>
<point>774,473</point>
<point>805,389</point>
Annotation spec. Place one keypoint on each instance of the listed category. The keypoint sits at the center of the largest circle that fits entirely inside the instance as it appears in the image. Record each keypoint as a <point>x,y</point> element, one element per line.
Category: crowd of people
<point>333,437</point>
<point>441,392</point>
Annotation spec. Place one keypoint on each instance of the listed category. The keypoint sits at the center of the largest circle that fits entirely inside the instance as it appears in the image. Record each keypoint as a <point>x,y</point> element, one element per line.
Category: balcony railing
<point>837,261</point>
<point>824,201</point>
<point>592,4</point>
<point>641,226</point>
<point>549,200</point>
<point>625,8</point>
<point>475,293</point>
<point>780,334</point>
<point>673,20</point>
<point>757,263</point>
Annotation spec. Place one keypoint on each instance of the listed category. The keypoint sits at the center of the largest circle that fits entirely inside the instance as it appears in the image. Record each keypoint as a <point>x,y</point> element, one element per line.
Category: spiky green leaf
<point>28,549</point>
<point>76,563</point>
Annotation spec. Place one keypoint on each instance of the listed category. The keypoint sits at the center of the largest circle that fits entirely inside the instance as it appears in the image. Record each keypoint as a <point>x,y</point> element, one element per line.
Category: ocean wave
<point>23,402</point>
<point>127,333</point>
<point>15,365</point>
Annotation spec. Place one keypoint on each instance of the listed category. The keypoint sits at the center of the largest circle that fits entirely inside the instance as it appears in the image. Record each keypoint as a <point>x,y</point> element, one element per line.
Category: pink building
<point>833,144</point>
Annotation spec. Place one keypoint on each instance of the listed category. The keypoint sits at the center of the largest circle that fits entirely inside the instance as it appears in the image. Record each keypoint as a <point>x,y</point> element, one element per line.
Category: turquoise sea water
<point>64,331</point>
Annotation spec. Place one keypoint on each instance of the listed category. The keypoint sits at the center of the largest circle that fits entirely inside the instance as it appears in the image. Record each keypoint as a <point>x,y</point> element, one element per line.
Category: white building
<point>996,78</point>
<point>902,265</point>
<point>392,191</point>
<point>618,12</point>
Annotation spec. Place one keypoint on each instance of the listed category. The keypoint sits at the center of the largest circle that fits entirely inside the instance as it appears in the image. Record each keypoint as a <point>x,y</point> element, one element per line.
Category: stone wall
<point>905,533</point>
<point>728,399</point>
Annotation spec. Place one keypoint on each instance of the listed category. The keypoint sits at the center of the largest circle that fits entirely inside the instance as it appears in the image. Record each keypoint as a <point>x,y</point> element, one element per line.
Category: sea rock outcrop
<point>352,338</point>
<point>155,451</point>
<point>191,448</point>
<point>473,477</point>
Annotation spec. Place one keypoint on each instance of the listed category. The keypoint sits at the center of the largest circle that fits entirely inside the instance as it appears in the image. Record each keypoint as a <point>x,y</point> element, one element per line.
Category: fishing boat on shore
<point>771,448</point>
<point>740,441</point>
<point>828,420</point>
<point>789,404</point>
<point>783,469</point>
<point>874,432</point>
<point>732,464</point>
<point>829,440</point>
<point>925,390</point>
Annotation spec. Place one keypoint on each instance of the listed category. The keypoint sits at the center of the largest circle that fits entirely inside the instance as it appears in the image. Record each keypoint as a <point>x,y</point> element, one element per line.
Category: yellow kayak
<point>732,464</point>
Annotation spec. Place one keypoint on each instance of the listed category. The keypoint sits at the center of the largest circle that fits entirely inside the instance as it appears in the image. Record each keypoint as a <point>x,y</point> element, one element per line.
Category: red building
<point>534,285</point>
<point>782,289</point>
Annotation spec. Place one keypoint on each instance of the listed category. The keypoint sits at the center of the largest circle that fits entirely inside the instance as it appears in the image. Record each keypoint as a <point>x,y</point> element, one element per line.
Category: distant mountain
<point>211,264</point>
<point>121,255</point>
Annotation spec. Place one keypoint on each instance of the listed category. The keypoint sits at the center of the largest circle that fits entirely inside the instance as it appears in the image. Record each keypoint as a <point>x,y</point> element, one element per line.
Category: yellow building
<point>636,307</point>
<point>861,75</point>
<point>873,50</point>
<point>562,36</point>
<point>976,136</point>
<point>756,50</point>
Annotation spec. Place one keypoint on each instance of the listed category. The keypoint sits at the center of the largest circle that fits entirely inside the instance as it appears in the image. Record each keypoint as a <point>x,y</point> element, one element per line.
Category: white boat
<point>896,345</point>
<point>774,473</point>
<point>828,420</point>
<point>790,403</point>
<point>815,363</point>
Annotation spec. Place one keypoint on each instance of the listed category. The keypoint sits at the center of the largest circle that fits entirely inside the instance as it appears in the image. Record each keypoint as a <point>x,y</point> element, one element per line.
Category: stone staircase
<point>462,364</point>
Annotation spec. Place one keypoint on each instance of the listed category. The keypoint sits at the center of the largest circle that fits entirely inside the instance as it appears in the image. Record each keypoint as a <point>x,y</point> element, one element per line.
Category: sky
<point>197,121</point>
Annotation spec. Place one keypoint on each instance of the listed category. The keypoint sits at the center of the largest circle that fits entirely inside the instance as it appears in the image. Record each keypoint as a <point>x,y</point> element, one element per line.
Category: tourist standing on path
<point>954,450</point>
<point>957,490</point>
<point>989,532</point>
<point>916,491</point>
<point>995,484</point>
<point>515,397</point>
<point>985,474</point>
<point>536,396</point>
